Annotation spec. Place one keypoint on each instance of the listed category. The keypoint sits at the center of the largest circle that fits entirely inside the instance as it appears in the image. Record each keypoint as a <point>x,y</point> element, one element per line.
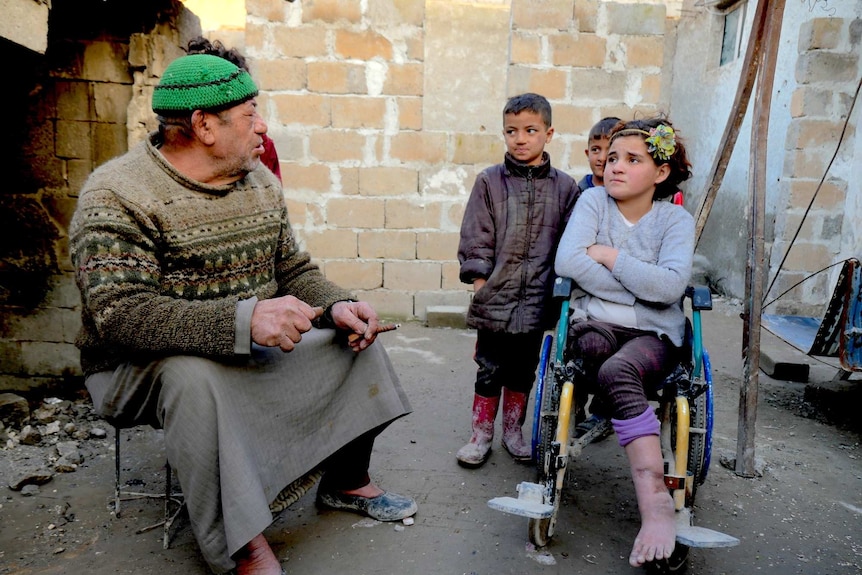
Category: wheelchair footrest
<point>705,538</point>
<point>529,503</point>
<point>700,537</point>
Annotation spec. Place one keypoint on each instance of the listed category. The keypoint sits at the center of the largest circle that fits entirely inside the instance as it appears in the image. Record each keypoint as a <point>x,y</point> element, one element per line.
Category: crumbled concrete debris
<point>30,435</point>
<point>30,490</point>
<point>14,410</point>
<point>46,441</point>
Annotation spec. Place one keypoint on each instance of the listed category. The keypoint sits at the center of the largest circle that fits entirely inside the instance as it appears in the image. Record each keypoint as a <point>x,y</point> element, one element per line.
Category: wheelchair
<point>685,409</point>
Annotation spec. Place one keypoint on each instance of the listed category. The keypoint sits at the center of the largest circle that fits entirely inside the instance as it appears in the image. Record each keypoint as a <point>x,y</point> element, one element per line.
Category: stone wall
<point>70,113</point>
<point>817,73</point>
<point>819,210</point>
<point>384,111</point>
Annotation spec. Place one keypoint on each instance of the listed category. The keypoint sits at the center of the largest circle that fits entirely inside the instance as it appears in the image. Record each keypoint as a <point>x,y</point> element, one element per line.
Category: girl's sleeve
<point>572,260</point>
<point>665,281</point>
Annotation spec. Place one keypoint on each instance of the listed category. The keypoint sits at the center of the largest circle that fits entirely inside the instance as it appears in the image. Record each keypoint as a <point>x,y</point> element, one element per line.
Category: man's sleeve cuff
<point>242,331</point>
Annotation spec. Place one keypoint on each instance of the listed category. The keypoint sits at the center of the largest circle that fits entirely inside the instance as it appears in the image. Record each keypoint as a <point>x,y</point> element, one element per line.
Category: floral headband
<point>661,140</point>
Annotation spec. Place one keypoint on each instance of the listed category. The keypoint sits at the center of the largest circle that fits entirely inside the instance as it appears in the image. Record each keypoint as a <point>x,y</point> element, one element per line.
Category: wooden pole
<point>750,65</point>
<point>754,271</point>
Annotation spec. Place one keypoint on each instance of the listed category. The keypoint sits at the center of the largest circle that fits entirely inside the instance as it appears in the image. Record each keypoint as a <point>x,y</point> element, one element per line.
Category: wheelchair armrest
<point>701,297</point>
<point>562,287</point>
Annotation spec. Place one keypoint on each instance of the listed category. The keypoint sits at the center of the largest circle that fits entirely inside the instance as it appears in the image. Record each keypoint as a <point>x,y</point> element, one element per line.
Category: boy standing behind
<point>597,152</point>
<point>513,221</point>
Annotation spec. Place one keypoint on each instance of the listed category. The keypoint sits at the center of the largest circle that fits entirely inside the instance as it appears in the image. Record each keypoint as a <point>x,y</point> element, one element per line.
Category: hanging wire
<point>811,203</point>
<point>806,278</point>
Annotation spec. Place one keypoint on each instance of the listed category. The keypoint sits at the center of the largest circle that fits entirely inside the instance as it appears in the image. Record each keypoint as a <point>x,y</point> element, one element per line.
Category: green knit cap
<point>201,82</point>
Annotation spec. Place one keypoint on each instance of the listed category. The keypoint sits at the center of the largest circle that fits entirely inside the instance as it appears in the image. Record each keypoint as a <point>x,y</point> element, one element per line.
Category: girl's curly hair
<point>680,167</point>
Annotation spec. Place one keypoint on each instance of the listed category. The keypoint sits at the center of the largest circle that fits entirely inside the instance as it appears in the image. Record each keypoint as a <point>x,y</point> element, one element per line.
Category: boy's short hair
<point>532,103</point>
<point>602,128</point>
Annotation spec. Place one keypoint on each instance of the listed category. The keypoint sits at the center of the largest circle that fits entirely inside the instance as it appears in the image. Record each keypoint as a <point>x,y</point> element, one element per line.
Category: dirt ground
<point>803,515</point>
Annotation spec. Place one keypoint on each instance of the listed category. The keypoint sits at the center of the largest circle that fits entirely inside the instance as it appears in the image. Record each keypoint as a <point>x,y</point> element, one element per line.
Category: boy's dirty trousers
<point>506,360</point>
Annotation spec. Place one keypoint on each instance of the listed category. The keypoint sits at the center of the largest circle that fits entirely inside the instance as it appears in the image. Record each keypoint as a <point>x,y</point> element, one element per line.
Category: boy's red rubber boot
<point>514,414</point>
<point>476,453</point>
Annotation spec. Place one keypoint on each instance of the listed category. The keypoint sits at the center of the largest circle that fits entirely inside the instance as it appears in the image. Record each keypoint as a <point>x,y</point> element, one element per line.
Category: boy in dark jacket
<point>514,218</point>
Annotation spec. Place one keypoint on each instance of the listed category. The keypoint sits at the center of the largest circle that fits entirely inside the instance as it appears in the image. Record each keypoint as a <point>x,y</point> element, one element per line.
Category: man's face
<point>526,136</point>
<point>238,143</point>
<point>597,155</point>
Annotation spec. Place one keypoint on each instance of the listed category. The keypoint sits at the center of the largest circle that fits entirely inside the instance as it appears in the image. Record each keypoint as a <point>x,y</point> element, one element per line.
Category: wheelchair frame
<point>685,411</point>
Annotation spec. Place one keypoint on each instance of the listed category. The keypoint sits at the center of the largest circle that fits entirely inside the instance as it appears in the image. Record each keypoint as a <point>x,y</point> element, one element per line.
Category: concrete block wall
<point>384,111</point>
<point>827,75</point>
<point>74,106</point>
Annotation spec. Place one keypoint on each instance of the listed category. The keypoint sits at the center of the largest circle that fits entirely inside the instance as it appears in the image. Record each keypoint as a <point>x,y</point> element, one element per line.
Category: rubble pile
<point>47,440</point>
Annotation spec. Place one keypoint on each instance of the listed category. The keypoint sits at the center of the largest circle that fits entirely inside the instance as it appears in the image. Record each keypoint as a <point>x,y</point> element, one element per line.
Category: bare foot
<point>257,558</point>
<point>657,536</point>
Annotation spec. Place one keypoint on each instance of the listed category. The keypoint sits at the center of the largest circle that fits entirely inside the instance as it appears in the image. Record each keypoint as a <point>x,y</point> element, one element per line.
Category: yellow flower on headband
<point>661,142</point>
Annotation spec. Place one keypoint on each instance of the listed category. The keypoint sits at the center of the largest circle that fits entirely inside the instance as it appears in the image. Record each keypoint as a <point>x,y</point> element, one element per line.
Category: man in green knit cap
<point>202,316</point>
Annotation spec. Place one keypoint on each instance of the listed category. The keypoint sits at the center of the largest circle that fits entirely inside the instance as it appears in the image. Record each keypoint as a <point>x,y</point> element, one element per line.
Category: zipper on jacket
<point>531,197</point>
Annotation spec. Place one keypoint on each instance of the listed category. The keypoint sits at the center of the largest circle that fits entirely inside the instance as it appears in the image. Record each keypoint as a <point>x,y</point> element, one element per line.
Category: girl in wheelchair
<point>631,253</point>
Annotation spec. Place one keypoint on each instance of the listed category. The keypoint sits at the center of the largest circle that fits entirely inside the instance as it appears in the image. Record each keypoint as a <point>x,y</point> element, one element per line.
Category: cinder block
<point>304,42</point>
<point>406,215</point>
<point>405,79</point>
<point>355,274</point>
<point>333,11</point>
<point>337,78</point>
<point>586,15</point>
<point>314,177</point>
<point>355,212</point>
<point>73,139</point>
<point>427,147</point>
<point>387,181</point>
<point>357,112</point>
<point>820,34</point>
<point>388,244</point>
<point>362,45</point>
<point>283,74</point>
<point>409,113</point>
<point>584,50</point>
<point>644,51</point>
<point>829,67</point>
<point>307,109</point>
<point>526,49</point>
<point>546,14</point>
<point>635,19</point>
<point>111,102</point>
<point>454,316</point>
<point>337,145</point>
<point>783,370</point>
<point>478,148</point>
<point>386,13</point>
<point>550,82</point>
<point>389,304</point>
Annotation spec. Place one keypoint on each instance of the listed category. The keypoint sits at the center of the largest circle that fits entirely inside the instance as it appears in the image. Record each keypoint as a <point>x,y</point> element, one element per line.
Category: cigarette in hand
<point>380,329</point>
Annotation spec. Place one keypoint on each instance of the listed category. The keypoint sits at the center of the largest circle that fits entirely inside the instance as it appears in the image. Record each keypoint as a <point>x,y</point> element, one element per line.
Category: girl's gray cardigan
<point>654,263</point>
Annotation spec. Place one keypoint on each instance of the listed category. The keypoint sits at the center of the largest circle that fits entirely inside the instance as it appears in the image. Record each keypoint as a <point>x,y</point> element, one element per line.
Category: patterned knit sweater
<point>162,261</point>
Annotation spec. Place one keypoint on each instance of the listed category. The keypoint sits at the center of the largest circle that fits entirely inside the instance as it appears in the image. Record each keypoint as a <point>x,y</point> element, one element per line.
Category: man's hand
<point>356,317</point>
<point>280,322</point>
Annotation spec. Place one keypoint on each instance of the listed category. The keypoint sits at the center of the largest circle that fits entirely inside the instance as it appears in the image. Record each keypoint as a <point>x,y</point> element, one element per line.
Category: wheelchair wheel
<point>545,359</point>
<point>541,530</point>
<point>547,420</point>
<point>698,409</point>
